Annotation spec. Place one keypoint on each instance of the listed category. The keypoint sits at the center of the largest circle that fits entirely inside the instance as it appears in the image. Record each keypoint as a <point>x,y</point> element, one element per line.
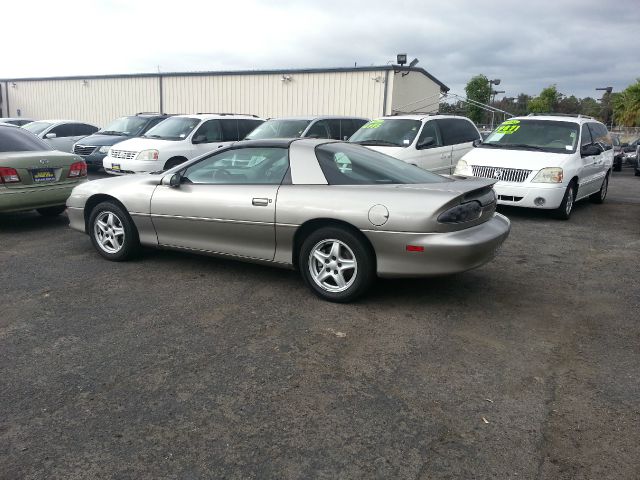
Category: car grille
<point>83,150</point>
<point>501,174</point>
<point>125,154</point>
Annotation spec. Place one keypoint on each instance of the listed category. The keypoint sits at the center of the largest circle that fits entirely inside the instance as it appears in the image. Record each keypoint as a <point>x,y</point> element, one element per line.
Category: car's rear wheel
<point>112,232</point>
<point>600,195</point>
<point>563,212</point>
<point>336,264</point>
<point>51,211</point>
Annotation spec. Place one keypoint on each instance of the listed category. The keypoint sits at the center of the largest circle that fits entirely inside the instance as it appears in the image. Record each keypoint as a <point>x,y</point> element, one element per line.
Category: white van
<point>177,139</point>
<point>544,161</point>
<point>432,142</point>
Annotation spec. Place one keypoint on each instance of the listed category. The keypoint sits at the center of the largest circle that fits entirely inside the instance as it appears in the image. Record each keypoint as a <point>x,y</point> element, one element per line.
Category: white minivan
<point>432,142</point>
<point>544,161</point>
<point>177,139</point>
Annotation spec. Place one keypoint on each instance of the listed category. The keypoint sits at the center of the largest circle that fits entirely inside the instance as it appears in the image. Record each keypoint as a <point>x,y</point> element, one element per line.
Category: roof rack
<point>225,114</point>
<point>573,115</point>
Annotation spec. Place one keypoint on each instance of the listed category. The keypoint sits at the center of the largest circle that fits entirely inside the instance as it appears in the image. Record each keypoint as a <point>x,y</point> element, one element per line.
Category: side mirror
<point>173,181</point>
<point>426,143</point>
<point>590,150</point>
<point>476,142</point>
<point>199,139</point>
<point>50,135</point>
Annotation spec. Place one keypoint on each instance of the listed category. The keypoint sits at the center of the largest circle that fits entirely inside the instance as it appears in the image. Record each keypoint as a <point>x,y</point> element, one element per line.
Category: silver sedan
<point>339,213</point>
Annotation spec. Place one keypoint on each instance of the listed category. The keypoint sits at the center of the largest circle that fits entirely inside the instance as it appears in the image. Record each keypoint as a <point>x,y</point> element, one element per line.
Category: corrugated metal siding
<point>415,92</point>
<point>338,93</point>
<point>98,101</point>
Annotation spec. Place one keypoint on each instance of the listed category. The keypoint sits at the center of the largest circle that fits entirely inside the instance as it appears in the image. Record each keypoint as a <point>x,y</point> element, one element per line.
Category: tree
<point>589,106</point>
<point>477,89</point>
<point>569,105</point>
<point>626,106</point>
<point>546,102</point>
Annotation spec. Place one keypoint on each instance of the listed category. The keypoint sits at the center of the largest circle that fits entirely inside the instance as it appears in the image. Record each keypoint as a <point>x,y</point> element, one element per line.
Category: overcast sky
<point>578,45</point>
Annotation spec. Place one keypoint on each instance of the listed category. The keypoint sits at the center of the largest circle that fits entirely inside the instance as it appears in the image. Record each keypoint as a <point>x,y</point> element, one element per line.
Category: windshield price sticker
<point>508,127</point>
<point>373,124</point>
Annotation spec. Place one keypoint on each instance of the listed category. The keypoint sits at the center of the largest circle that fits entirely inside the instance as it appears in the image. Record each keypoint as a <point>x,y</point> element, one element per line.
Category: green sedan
<point>32,176</point>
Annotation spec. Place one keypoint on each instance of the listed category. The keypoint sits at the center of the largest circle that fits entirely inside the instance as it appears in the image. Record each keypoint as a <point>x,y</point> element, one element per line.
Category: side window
<point>152,123</point>
<point>266,166</point>
<point>334,129</point>
<point>456,130</point>
<point>229,130</point>
<point>585,136</point>
<point>245,127</point>
<point>64,130</point>
<point>349,126</point>
<point>208,132</point>
<point>429,130</point>
<point>84,129</point>
<point>318,130</point>
<point>600,135</point>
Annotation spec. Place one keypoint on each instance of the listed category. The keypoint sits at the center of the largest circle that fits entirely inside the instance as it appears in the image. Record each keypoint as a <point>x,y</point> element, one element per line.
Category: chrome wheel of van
<point>569,203</point>
<point>109,232</point>
<point>333,265</point>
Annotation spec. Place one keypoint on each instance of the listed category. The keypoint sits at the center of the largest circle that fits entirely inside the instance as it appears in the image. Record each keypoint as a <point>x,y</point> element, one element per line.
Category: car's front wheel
<point>51,211</point>
<point>563,212</point>
<point>112,232</point>
<point>336,264</point>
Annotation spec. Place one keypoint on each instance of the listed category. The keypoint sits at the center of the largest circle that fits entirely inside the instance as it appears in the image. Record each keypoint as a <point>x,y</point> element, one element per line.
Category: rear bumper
<point>21,199</point>
<point>524,196</point>
<point>444,253</point>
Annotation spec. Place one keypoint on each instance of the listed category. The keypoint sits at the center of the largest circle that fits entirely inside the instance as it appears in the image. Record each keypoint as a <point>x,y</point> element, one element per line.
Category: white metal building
<point>361,91</point>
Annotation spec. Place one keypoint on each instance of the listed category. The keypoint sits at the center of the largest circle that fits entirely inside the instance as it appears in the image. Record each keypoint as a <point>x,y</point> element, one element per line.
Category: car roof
<point>266,143</point>
<point>207,116</point>
<point>421,116</point>
<point>4,119</point>
<point>579,119</point>
<point>320,117</point>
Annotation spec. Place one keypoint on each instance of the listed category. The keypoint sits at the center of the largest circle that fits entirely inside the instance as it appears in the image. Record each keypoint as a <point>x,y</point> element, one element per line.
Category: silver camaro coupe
<point>339,213</point>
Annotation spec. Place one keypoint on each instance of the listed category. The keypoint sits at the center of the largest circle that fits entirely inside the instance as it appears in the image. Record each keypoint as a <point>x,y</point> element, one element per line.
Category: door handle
<point>260,202</point>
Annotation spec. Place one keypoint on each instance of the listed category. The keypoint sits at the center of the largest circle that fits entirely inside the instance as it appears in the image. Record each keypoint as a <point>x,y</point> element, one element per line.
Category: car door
<point>208,137</point>
<point>61,137</point>
<point>588,168</point>
<point>225,203</point>
<point>604,161</point>
<point>458,134</point>
<point>429,153</point>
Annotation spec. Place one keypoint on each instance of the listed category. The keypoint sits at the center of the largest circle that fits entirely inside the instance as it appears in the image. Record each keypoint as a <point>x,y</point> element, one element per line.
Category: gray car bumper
<point>444,253</point>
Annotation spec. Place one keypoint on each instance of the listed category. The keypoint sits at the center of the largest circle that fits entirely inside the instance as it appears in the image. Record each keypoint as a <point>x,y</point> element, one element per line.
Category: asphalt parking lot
<point>181,366</point>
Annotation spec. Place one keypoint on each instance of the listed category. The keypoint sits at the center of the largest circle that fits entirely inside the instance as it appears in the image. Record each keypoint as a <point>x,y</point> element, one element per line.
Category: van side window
<point>429,130</point>
<point>600,135</point>
<point>349,126</point>
<point>229,130</point>
<point>318,130</point>
<point>456,130</point>
<point>585,136</point>
<point>208,132</point>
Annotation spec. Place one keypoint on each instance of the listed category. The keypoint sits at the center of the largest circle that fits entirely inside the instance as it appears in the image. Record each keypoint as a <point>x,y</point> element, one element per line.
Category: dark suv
<point>95,147</point>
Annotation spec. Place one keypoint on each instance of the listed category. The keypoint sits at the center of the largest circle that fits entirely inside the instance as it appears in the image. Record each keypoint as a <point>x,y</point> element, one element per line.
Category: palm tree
<point>626,106</point>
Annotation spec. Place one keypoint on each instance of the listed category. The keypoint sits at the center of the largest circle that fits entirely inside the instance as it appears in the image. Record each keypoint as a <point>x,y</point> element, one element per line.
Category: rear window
<point>17,140</point>
<point>345,164</point>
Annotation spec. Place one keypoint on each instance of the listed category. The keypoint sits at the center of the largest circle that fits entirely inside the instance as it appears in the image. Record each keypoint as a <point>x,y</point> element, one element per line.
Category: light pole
<point>495,81</point>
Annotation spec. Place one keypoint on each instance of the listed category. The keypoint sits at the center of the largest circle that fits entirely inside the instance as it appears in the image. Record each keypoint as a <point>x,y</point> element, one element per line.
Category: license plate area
<point>115,167</point>
<point>43,175</point>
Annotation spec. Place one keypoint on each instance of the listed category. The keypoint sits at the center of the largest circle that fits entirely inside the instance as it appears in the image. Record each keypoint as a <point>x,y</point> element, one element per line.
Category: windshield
<point>544,135</point>
<point>279,129</point>
<point>37,127</point>
<point>174,128</point>
<point>14,139</point>
<point>345,164</point>
<point>128,126</point>
<point>389,132</point>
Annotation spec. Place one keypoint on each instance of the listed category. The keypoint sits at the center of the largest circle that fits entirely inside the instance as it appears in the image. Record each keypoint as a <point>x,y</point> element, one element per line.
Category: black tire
<point>51,211</point>
<point>601,195</point>
<point>563,212</point>
<point>350,244</point>
<point>127,245</point>
<point>637,172</point>
<point>617,164</point>
<point>174,162</point>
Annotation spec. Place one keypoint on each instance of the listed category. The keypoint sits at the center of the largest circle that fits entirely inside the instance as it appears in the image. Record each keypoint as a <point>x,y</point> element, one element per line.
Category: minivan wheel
<point>336,265</point>
<point>600,195</point>
<point>51,211</point>
<point>563,212</point>
<point>112,232</point>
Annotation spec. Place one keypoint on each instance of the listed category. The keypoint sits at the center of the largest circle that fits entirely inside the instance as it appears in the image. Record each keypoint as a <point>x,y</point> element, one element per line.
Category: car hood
<point>522,159</point>
<point>102,140</point>
<point>138,144</point>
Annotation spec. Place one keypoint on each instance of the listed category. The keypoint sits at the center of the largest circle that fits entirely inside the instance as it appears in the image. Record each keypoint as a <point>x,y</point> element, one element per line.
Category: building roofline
<point>379,68</point>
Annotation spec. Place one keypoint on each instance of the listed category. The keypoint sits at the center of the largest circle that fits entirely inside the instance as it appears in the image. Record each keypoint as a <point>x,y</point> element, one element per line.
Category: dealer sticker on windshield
<point>508,127</point>
<point>373,124</point>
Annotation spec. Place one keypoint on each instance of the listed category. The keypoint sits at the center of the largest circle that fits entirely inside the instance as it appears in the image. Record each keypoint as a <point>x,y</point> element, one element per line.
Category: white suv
<point>544,161</point>
<point>432,142</point>
<point>177,139</point>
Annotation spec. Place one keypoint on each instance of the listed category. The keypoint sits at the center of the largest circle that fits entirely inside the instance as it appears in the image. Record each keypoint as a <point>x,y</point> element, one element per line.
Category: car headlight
<point>104,149</point>
<point>147,155</point>
<point>463,168</point>
<point>465,212</point>
<point>549,175</point>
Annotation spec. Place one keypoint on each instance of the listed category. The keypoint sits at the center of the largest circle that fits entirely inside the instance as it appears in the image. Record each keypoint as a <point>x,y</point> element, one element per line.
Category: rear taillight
<point>78,169</point>
<point>9,175</point>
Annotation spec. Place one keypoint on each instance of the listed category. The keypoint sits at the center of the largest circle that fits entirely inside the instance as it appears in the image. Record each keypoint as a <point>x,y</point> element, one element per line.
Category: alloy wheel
<point>569,204</point>
<point>333,265</point>
<point>109,232</point>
